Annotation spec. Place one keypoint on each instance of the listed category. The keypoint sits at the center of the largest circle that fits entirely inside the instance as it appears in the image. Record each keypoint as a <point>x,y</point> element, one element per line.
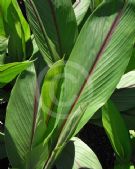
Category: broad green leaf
<point>54,26</point>
<point>29,144</point>
<point>127,80</point>
<point>48,104</point>
<point>103,60</point>
<point>116,131</point>
<point>9,71</point>
<point>2,147</point>
<point>77,155</point>
<point>20,125</point>
<point>97,88</point>
<point>96,64</point>
<point>80,9</point>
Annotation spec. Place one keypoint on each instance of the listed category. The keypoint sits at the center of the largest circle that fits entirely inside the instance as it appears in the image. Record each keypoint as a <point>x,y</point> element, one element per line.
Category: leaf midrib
<point>98,57</point>
<point>91,71</point>
<point>35,111</point>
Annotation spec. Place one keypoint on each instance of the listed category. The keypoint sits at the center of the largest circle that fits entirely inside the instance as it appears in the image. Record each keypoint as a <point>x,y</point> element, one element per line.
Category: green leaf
<point>54,26</point>
<point>95,66</point>
<point>104,62</point>
<point>80,9</point>
<point>50,91</point>
<point>30,142</point>
<point>77,155</point>
<point>127,80</point>
<point>22,111</point>
<point>116,131</point>
<point>9,71</point>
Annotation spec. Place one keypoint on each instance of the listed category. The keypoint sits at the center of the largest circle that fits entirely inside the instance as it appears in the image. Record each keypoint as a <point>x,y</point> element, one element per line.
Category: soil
<point>92,135</point>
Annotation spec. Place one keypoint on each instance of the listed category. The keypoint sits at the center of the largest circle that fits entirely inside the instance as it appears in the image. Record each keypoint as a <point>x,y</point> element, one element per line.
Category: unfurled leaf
<point>95,66</point>
<point>116,131</point>
<point>54,26</point>
<point>77,155</point>
<point>9,71</point>
<point>80,9</point>
<point>20,127</point>
<point>94,63</point>
<point>30,143</point>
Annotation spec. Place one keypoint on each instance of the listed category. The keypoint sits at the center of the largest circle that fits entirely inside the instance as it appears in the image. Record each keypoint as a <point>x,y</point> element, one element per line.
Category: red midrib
<point>35,111</point>
<point>99,55</point>
<point>103,46</point>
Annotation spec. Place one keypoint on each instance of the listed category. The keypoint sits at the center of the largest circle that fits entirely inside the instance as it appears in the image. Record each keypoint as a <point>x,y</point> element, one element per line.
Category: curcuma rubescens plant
<point>69,66</point>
